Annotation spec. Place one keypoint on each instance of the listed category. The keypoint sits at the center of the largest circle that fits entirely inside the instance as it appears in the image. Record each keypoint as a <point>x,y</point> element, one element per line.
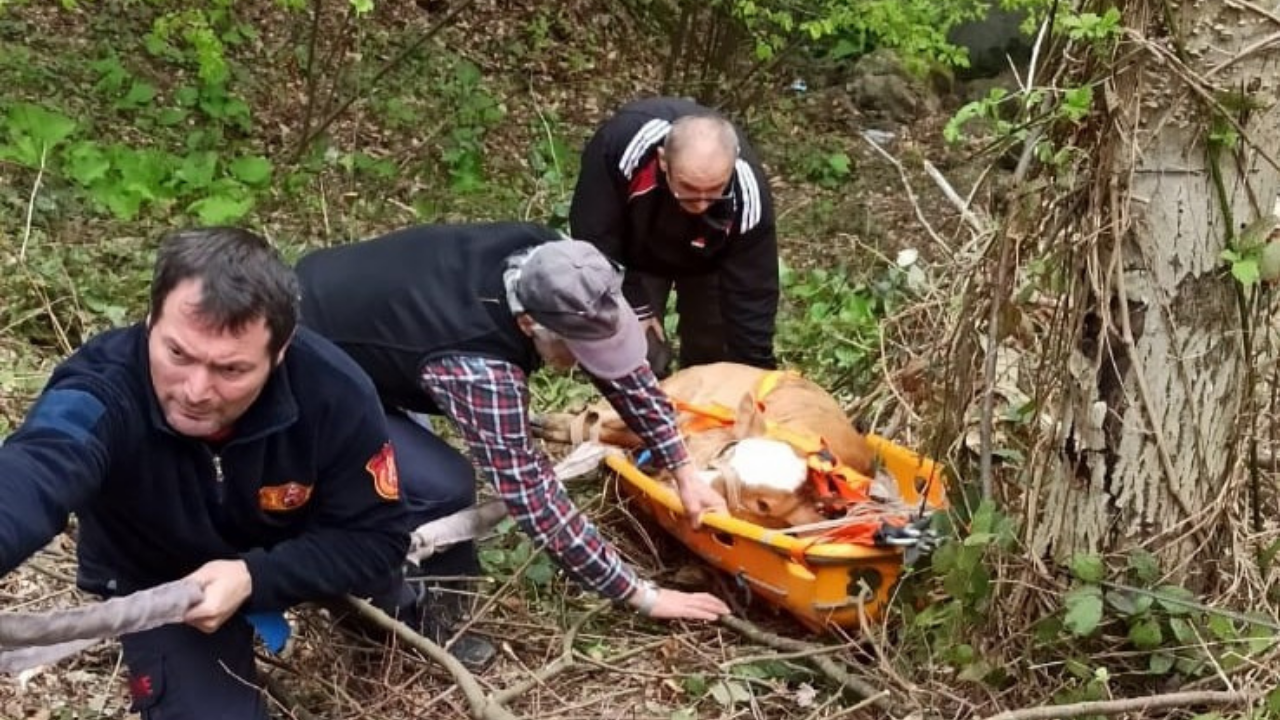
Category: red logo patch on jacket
<point>282,498</point>
<point>140,687</point>
<point>382,467</point>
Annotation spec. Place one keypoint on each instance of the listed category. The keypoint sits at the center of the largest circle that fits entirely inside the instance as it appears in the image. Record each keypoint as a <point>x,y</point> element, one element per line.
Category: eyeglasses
<point>727,196</point>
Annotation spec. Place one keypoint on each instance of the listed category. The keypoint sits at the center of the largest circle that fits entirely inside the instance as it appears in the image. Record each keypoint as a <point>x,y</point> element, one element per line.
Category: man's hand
<point>676,605</point>
<point>659,352</point>
<point>226,584</point>
<point>652,324</point>
<point>696,495</point>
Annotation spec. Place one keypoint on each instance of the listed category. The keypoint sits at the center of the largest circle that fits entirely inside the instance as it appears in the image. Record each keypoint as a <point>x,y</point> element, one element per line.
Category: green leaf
<point>187,95</point>
<point>220,209</point>
<point>1084,610</point>
<point>1047,630</point>
<point>116,197</point>
<point>87,163</point>
<point>981,539</point>
<point>1172,595</point>
<point>728,692</point>
<point>839,163</point>
<point>1222,628</point>
<point>695,684</point>
<point>140,93</point>
<point>46,127</point>
<point>1079,668</point>
<point>1088,568</point>
<point>961,655</point>
<point>1273,702</point>
<point>540,573</point>
<point>1246,271</point>
<point>1145,566</point>
<point>1182,630</point>
<point>984,519</point>
<point>1160,663</point>
<point>362,7</point>
<point>252,170</point>
<point>975,671</point>
<point>197,169</point>
<point>1145,634</point>
<point>169,117</point>
<point>945,557</point>
<point>1124,603</point>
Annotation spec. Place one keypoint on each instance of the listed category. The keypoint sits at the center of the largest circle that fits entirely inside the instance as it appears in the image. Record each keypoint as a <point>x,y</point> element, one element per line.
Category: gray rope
<point>32,639</point>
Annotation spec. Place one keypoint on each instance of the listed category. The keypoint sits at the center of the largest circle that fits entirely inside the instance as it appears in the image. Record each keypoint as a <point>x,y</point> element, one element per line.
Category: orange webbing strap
<point>864,531</point>
<point>705,417</point>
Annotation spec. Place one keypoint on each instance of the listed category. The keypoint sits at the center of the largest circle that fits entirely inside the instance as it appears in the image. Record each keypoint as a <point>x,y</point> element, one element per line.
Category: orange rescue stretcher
<point>823,581</point>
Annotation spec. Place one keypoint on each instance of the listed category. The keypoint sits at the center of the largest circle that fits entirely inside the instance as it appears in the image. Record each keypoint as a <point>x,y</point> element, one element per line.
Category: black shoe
<point>472,651</point>
<point>424,617</point>
<point>437,619</point>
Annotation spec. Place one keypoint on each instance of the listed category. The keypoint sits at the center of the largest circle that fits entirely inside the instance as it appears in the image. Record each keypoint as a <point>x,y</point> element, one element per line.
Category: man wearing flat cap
<point>452,320</point>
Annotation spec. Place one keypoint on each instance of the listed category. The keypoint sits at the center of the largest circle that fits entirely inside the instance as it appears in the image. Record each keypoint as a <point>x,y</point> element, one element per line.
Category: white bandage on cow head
<point>767,464</point>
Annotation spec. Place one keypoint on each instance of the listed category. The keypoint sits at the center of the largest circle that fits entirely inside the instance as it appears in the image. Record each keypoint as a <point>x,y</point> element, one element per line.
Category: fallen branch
<point>31,204</point>
<point>1115,707</point>
<point>975,221</point>
<point>557,666</point>
<point>911,195</point>
<point>861,688</point>
<point>483,707</point>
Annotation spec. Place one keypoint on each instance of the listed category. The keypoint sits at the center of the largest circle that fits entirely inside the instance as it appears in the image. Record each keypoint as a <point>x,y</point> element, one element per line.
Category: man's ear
<point>526,323</point>
<point>662,158</point>
<point>280,355</point>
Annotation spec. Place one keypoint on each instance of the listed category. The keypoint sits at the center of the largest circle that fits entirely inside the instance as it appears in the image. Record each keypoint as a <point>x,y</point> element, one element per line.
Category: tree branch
<point>482,706</point>
<point>1115,707</point>
<point>876,696</point>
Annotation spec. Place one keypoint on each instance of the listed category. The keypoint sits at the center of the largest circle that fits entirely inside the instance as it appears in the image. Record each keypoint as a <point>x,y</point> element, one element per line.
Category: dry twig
<point>829,667</point>
<point>1115,707</point>
<point>482,706</point>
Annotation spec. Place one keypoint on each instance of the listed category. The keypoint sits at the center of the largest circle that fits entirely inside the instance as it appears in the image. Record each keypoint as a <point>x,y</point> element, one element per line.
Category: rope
<point>28,640</point>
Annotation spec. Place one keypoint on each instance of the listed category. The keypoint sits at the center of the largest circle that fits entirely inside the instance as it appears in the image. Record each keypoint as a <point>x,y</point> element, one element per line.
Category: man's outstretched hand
<point>676,605</point>
<point>226,584</point>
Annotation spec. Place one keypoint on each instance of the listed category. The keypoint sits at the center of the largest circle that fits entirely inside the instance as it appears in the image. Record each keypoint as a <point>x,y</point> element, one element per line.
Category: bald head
<point>698,157</point>
<point>698,139</point>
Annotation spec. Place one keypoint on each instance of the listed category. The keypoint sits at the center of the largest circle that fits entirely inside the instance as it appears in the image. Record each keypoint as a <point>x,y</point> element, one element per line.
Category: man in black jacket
<point>452,320</point>
<point>216,442</point>
<point>669,189</point>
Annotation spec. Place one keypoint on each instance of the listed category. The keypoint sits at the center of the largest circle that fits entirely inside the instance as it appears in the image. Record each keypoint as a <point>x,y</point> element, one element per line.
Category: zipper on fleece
<point>220,485</point>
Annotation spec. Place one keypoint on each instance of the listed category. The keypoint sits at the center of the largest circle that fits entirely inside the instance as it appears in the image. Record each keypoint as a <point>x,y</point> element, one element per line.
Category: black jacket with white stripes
<point>622,205</point>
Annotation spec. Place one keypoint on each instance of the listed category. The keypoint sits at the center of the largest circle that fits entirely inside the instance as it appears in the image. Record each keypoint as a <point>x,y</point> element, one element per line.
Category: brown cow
<point>762,479</point>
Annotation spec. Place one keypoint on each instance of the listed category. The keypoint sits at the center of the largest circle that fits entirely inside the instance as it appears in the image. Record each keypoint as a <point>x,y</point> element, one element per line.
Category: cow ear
<point>730,484</point>
<point>749,422</point>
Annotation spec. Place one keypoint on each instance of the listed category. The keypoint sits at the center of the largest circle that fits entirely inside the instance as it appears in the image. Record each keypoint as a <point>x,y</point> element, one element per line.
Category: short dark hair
<point>242,278</point>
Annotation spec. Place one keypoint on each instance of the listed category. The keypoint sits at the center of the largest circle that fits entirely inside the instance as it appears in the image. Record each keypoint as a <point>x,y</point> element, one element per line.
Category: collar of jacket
<point>274,409</point>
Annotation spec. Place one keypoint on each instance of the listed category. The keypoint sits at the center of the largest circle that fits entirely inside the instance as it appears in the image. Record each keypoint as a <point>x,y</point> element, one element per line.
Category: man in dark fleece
<point>218,442</point>
<point>669,189</point>
<point>452,320</point>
